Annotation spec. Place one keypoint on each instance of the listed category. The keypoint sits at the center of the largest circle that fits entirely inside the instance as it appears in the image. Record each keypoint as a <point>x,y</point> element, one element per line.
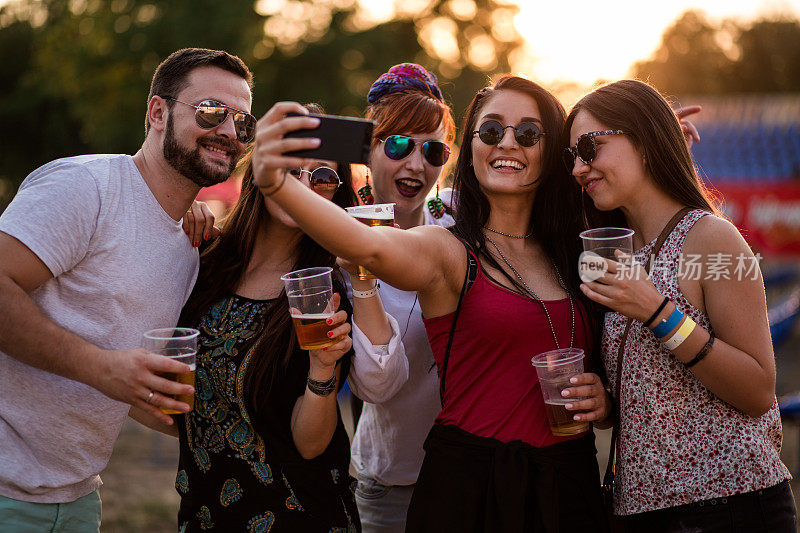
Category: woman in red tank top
<point>491,462</point>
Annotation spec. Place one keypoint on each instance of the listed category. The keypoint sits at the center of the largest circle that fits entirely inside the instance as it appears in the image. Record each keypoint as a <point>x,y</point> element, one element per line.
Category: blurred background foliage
<point>76,72</point>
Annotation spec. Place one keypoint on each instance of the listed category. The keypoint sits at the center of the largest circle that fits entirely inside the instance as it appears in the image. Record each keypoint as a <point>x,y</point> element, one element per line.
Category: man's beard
<point>190,163</point>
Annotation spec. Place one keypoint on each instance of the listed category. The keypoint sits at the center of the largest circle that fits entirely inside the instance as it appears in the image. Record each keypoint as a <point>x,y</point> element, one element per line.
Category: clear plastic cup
<point>310,294</point>
<point>554,369</point>
<point>179,344</point>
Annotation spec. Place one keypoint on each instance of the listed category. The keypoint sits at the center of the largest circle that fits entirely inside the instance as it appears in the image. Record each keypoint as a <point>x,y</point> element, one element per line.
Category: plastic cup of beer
<point>372,215</point>
<point>554,369</point>
<point>602,243</point>
<point>310,295</point>
<point>179,344</point>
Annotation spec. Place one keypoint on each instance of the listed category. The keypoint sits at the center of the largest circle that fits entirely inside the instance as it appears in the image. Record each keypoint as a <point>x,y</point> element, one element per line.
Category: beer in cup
<point>554,369</point>
<point>372,215</point>
<point>310,295</point>
<point>601,243</point>
<point>179,344</point>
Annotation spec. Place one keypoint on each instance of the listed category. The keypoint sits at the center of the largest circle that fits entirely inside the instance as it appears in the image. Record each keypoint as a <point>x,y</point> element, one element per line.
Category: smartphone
<point>345,139</point>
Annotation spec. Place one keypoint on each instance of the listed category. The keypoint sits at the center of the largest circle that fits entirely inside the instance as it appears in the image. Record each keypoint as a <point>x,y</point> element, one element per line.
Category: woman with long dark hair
<point>688,348</point>
<point>265,447</point>
<point>498,289</point>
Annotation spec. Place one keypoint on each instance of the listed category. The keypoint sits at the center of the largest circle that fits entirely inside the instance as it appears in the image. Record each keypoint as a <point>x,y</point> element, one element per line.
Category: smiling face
<point>614,178</point>
<point>507,167</point>
<point>205,156</point>
<point>405,182</point>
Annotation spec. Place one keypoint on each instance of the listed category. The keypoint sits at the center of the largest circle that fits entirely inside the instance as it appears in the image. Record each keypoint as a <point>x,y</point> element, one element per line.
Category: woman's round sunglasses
<point>322,179</point>
<point>397,147</point>
<point>526,134</point>
<point>585,148</point>
<point>209,114</point>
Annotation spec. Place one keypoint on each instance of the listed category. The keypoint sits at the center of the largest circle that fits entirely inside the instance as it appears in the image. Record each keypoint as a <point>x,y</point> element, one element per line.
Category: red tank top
<point>491,387</point>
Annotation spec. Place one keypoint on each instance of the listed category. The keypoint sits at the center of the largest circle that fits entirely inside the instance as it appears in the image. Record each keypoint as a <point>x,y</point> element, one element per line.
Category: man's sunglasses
<point>322,179</point>
<point>209,114</point>
<point>585,148</point>
<point>526,134</point>
<point>397,147</point>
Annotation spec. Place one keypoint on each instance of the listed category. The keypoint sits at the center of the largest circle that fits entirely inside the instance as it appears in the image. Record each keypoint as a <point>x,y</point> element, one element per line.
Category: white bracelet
<point>366,294</point>
<point>679,336</point>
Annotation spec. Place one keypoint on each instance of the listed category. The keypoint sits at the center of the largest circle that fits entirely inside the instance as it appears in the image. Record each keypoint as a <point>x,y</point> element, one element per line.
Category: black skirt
<point>479,484</point>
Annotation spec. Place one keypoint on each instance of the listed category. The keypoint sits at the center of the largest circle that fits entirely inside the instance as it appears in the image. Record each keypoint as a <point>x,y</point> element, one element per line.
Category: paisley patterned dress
<point>241,472</point>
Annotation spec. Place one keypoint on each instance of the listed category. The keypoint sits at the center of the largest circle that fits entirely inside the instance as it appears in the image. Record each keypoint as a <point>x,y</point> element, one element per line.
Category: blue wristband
<point>665,326</point>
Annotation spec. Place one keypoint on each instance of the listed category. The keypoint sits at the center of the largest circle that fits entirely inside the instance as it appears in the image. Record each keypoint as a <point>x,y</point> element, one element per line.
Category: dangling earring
<point>365,192</point>
<point>435,205</point>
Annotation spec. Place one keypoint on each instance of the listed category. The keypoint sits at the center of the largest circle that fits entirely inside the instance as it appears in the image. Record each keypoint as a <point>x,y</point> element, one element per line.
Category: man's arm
<point>28,335</point>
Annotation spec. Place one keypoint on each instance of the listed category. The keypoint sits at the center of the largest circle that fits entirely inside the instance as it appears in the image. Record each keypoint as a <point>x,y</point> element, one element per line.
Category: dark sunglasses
<point>209,114</point>
<point>526,134</point>
<point>397,147</point>
<point>322,179</point>
<point>585,148</point>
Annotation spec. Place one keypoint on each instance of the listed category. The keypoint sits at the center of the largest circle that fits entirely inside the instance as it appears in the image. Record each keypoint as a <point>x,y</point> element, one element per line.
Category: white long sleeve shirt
<point>399,411</point>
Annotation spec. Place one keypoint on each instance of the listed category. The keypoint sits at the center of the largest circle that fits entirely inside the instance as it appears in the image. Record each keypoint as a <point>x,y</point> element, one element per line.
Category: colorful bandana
<point>403,77</point>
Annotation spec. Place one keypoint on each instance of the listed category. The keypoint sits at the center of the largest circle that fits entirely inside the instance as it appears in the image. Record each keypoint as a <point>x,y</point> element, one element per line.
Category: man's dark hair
<point>170,76</point>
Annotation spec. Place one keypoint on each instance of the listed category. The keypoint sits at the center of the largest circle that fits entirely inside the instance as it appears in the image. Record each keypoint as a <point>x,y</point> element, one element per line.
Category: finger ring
<point>150,397</point>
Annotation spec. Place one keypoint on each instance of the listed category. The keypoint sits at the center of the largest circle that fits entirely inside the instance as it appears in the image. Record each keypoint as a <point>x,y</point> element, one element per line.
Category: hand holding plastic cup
<point>178,344</point>
<point>603,243</point>
<point>554,369</point>
<point>310,294</point>
<point>372,215</point>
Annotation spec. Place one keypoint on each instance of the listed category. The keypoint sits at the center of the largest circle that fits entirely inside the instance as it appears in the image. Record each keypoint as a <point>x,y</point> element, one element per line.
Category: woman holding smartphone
<point>505,283</point>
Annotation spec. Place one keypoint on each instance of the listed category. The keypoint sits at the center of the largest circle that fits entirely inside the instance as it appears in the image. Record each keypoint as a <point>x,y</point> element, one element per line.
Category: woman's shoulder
<point>713,234</point>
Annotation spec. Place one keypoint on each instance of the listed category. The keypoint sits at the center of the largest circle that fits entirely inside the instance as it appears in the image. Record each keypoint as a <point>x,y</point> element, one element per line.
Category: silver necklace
<point>508,234</point>
<point>537,299</point>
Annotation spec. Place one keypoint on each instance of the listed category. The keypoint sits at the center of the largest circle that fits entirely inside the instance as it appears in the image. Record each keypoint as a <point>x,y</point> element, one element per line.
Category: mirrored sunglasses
<point>585,148</point>
<point>397,147</point>
<point>322,179</point>
<point>209,114</point>
<point>526,134</point>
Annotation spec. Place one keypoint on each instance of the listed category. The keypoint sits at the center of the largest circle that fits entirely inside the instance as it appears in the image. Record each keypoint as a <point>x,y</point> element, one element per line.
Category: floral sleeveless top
<point>679,443</point>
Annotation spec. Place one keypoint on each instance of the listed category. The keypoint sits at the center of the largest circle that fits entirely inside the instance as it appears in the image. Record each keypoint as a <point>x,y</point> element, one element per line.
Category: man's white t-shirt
<point>121,266</point>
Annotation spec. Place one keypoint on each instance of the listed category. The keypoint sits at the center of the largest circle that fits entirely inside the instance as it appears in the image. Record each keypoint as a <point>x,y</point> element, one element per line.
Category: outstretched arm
<point>420,259</point>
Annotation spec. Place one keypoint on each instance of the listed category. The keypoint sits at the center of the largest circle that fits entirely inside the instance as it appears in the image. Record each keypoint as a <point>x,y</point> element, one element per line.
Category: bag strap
<point>469,277</point>
<point>608,478</point>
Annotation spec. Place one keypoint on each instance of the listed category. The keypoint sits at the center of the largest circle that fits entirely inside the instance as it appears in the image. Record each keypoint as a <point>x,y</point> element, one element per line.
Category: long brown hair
<point>555,219</point>
<point>223,265</point>
<point>650,123</point>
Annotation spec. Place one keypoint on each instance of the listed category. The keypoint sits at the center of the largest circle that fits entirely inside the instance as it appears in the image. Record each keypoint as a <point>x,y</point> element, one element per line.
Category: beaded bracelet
<point>668,324</point>
<point>654,315</point>
<point>702,353</point>
<point>681,335</point>
<point>321,388</point>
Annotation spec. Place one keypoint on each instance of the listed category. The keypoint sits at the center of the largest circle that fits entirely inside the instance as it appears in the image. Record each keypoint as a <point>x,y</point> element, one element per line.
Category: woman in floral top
<point>700,432</point>
<point>262,451</point>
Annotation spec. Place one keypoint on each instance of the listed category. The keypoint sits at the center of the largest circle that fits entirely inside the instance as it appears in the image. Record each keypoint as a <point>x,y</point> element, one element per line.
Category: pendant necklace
<point>535,296</point>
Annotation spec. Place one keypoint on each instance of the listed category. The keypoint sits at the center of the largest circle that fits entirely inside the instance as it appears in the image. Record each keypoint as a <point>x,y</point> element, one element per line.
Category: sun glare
<point>583,41</point>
